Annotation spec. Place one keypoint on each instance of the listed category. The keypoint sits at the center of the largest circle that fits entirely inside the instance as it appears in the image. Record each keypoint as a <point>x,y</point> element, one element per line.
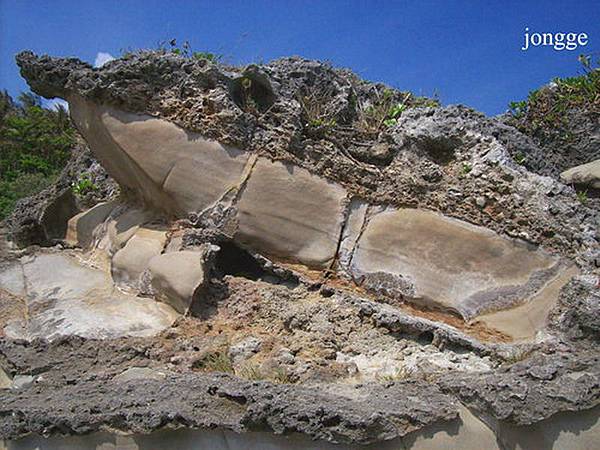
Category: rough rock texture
<point>455,154</point>
<point>564,139</point>
<point>42,218</point>
<point>283,173</point>
<point>178,277</point>
<point>344,414</point>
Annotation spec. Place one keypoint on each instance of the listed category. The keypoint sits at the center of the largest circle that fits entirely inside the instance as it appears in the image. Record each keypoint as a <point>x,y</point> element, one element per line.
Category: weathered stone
<point>88,118</point>
<point>353,228</point>
<point>81,228</point>
<point>524,321</point>
<point>22,382</point>
<point>172,169</point>
<point>43,218</point>
<point>289,213</point>
<point>131,261</point>
<point>74,299</point>
<point>176,277</point>
<point>193,171</point>
<point>5,381</point>
<point>245,349</point>
<point>586,174</point>
<point>140,373</point>
<point>121,227</point>
<point>451,264</point>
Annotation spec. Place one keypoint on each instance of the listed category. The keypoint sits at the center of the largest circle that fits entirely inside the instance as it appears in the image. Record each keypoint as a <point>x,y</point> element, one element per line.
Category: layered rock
<point>405,282</point>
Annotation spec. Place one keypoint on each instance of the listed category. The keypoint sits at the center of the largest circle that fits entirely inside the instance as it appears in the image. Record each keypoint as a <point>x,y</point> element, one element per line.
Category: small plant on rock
<point>520,158</point>
<point>518,109</point>
<point>218,361</point>
<point>212,57</point>
<point>84,186</point>
<point>315,107</point>
<point>582,196</point>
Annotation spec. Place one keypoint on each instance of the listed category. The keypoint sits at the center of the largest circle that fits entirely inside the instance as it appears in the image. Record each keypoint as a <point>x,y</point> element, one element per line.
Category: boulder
<point>177,277</point>
<point>585,174</point>
<point>129,263</point>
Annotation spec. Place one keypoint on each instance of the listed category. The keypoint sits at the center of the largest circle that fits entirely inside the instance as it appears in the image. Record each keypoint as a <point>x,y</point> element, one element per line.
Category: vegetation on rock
<point>36,144</point>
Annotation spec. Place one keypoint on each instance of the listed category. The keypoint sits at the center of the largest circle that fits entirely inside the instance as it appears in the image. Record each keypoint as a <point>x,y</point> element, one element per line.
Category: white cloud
<point>102,58</point>
<point>53,103</point>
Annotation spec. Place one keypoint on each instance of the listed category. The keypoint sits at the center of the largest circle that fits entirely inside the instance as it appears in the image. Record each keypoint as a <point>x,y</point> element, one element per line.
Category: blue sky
<point>465,51</point>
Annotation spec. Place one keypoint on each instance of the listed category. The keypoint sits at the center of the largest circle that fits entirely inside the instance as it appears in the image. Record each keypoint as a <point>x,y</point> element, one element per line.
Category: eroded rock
<point>178,277</point>
<point>448,263</point>
<point>585,174</point>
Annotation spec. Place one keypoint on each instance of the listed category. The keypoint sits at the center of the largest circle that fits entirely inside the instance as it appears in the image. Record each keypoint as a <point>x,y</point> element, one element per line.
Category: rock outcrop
<point>394,278</point>
<point>587,175</point>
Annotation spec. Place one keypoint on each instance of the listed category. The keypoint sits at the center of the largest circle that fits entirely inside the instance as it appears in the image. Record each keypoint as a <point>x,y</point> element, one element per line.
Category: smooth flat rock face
<point>194,171</point>
<point>131,261</point>
<point>87,117</point>
<point>119,229</point>
<point>175,276</point>
<point>67,297</point>
<point>173,169</point>
<point>587,174</point>
<point>286,212</point>
<point>81,227</point>
<point>449,263</point>
<point>5,381</point>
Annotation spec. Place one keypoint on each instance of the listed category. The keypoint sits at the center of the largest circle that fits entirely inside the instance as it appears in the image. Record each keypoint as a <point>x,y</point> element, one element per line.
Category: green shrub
<point>36,143</point>
<point>84,185</point>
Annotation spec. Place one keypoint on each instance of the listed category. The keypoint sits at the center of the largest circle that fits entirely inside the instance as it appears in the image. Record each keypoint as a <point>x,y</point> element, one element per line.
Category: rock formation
<point>394,279</point>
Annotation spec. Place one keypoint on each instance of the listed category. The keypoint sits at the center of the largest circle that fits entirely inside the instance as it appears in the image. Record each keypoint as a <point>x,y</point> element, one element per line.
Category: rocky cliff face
<point>382,260</point>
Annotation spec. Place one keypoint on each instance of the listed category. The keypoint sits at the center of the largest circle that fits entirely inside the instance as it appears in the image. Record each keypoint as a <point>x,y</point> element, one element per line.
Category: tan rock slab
<point>586,174</point>
<point>451,264</point>
<point>524,321</point>
<point>87,117</point>
<point>171,168</point>
<point>131,261</point>
<point>194,171</point>
<point>81,228</point>
<point>75,299</point>
<point>122,227</point>
<point>287,212</point>
<point>175,276</point>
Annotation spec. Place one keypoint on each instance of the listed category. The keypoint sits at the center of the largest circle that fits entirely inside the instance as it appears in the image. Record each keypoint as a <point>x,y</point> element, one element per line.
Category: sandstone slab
<point>77,299</point>
<point>131,261</point>
<point>447,263</point>
<point>172,169</point>
<point>585,174</point>
<point>81,228</point>
<point>287,212</point>
<point>176,276</point>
